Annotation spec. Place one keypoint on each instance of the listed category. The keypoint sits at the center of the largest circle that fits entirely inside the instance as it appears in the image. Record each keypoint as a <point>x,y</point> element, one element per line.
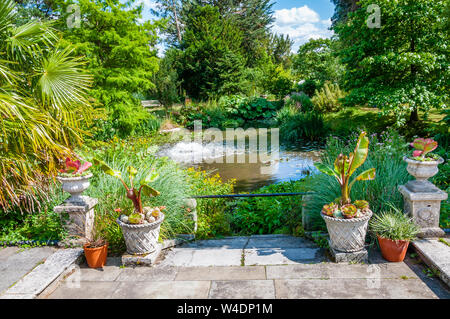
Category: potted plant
<point>423,164</point>
<point>394,231</point>
<point>75,178</point>
<point>346,221</point>
<point>96,251</point>
<point>141,227</point>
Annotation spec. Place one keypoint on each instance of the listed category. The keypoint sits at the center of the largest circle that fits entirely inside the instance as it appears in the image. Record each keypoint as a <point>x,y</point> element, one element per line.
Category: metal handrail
<point>253,195</point>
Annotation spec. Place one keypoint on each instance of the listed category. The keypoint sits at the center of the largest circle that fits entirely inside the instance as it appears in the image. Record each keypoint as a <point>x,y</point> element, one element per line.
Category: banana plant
<point>345,166</point>
<point>133,192</point>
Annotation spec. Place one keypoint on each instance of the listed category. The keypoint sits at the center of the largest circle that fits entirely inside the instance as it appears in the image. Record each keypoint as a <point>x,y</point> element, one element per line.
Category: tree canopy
<point>401,67</point>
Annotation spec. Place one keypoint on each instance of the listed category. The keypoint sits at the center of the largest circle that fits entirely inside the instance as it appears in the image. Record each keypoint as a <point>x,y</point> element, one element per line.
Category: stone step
<point>436,255</point>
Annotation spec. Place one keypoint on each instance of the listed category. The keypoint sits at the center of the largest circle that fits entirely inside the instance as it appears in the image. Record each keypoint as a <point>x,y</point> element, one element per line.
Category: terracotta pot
<point>96,257</point>
<point>392,250</point>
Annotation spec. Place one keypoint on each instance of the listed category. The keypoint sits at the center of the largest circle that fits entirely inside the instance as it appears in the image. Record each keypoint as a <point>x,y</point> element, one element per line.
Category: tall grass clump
<point>296,125</point>
<point>385,155</point>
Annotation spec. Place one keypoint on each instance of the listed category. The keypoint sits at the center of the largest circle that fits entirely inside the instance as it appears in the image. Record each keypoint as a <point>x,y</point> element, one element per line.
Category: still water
<point>247,165</point>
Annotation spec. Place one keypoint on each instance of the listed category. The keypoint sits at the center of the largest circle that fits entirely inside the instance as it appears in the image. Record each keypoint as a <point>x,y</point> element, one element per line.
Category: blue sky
<point>300,19</point>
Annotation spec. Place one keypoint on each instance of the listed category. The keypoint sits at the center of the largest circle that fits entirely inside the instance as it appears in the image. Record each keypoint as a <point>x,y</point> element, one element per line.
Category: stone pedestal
<point>191,203</point>
<point>423,203</point>
<point>78,219</point>
<point>305,217</point>
<point>361,256</point>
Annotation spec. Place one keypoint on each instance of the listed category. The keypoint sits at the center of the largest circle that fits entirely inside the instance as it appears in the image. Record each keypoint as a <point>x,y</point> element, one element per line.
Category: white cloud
<point>301,24</point>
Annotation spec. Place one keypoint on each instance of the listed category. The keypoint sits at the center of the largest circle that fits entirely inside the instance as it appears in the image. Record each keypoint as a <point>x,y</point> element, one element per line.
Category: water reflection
<point>294,162</point>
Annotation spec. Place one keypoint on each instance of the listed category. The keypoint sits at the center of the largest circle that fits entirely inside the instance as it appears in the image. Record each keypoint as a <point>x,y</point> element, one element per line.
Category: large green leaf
<point>324,169</point>
<point>149,191</point>
<point>366,175</point>
<point>106,169</point>
<point>360,154</point>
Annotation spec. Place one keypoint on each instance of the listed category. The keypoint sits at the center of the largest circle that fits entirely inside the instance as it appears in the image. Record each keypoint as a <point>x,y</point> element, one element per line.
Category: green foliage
<point>394,225</point>
<point>386,152</point>
<point>296,126</point>
<point>301,101</point>
<point>117,49</point>
<point>279,82</point>
<point>328,98</point>
<point>212,63</point>
<point>167,82</point>
<point>248,109</point>
<point>316,60</point>
<point>401,68</point>
<point>270,215</point>
<point>213,219</point>
<point>43,103</point>
<point>308,87</point>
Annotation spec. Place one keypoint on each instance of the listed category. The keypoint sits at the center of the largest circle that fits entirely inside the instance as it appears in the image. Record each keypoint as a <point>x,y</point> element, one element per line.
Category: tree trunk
<point>177,22</point>
<point>414,117</point>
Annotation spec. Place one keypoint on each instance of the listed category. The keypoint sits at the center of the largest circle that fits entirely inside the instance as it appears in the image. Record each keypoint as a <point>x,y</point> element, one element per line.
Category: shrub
<point>386,153</point>
<point>308,87</point>
<point>301,101</point>
<point>213,219</point>
<point>327,99</point>
<point>270,215</point>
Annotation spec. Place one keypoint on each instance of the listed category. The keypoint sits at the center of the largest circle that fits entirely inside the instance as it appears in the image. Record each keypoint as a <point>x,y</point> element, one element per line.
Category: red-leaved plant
<point>423,146</point>
<point>75,167</point>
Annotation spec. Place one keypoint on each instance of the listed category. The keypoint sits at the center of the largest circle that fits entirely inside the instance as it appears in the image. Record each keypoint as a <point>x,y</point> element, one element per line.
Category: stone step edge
<point>444,274</point>
<point>44,275</point>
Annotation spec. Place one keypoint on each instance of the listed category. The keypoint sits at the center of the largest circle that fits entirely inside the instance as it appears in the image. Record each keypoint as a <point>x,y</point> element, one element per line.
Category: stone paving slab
<point>7,251</point>
<point>44,274</point>
<point>279,242</point>
<point>160,273</point>
<point>85,290</point>
<point>162,290</point>
<point>435,254</point>
<point>237,242</point>
<point>352,289</point>
<point>191,257</point>
<point>242,289</point>
<point>268,256</point>
<point>16,263</point>
<point>221,273</point>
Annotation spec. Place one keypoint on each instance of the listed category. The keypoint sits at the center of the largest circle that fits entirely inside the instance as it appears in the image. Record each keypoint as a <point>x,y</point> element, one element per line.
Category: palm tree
<point>43,100</point>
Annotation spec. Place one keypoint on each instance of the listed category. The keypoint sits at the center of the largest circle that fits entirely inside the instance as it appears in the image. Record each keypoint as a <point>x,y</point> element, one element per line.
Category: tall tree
<point>402,67</point>
<point>212,63</point>
<point>280,49</point>
<point>342,9</point>
<point>252,17</point>
<point>43,102</point>
<point>121,55</point>
<point>317,60</point>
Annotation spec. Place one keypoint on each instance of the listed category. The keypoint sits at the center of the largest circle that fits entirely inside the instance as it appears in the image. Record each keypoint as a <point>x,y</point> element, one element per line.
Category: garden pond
<point>247,164</point>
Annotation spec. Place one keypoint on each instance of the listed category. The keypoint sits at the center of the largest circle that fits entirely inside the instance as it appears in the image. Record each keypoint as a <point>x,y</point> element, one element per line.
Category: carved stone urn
<point>75,186</point>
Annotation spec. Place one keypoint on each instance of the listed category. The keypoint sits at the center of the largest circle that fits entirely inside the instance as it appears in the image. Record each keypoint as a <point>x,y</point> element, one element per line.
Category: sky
<point>300,19</point>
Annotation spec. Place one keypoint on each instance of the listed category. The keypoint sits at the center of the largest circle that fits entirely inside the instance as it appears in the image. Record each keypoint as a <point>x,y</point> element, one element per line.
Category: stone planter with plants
<point>423,164</point>
<point>394,231</point>
<point>75,179</point>
<point>347,221</point>
<point>140,227</point>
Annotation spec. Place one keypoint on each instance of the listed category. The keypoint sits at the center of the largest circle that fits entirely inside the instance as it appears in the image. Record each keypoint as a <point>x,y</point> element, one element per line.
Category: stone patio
<point>256,267</point>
